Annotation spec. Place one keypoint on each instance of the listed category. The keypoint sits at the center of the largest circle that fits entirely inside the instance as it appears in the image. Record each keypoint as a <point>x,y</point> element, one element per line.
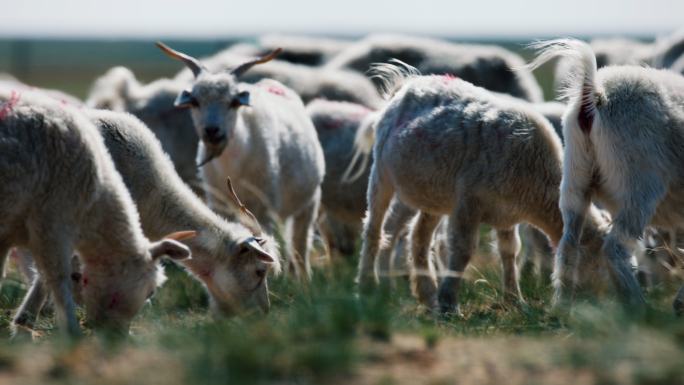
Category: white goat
<point>446,147</point>
<point>230,259</point>
<point>624,131</point>
<point>538,251</point>
<point>260,136</point>
<point>61,192</point>
<point>491,67</point>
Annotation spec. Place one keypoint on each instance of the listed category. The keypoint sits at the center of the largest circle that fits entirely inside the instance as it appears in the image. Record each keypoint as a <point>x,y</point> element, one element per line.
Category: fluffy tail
<point>579,86</point>
<point>392,77</point>
<point>363,145</point>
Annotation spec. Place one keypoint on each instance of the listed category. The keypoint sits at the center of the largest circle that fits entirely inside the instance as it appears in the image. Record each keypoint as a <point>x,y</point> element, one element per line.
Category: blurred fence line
<point>72,65</point>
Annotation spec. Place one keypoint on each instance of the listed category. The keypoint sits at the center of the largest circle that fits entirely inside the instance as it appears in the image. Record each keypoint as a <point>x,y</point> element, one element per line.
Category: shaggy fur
<point>119,90</point>
<point>61,192</point>
<point>446,147</point>
<point>224,259</point>
<point>493,68</point>
<point>260,136</point>
<point>624,132</point>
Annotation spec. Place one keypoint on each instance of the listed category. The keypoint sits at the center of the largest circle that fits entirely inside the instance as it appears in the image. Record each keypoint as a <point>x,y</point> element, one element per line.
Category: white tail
<point>580,82</point>
<point>363,146</point>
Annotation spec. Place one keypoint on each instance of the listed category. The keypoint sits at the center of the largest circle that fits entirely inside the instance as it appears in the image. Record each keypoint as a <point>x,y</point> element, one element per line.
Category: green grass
<point>321,333</point>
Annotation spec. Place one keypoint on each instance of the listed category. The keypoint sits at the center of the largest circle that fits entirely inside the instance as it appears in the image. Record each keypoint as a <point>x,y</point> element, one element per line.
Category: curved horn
<point>195,66</point>
<point>242,68</point>
<point>251,222</point>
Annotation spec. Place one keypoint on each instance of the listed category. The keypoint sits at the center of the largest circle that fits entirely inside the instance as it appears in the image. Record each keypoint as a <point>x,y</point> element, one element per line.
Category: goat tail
<point>392,76</point>
<point>580,82</point>
<point>363,146</point>
<point>112,90</point>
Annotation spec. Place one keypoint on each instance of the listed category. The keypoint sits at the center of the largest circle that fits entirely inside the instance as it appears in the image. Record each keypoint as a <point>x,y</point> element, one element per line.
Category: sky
<point>211,19</point>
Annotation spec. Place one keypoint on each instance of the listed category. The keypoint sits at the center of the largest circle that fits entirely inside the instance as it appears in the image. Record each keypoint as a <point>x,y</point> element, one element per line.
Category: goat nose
<point>211,130</point>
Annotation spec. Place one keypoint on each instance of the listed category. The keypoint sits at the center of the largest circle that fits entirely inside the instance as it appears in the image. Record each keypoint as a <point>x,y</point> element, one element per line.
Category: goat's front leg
<point>508,242</point>
<point>302,234</point>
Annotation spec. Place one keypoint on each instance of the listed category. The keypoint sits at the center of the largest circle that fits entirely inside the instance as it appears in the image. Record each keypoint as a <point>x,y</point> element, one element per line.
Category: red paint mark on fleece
<point>85,281</point>
<point>14,99</point>
<point>115,300</point>
<point>276,90</point>
<point>447,78</point>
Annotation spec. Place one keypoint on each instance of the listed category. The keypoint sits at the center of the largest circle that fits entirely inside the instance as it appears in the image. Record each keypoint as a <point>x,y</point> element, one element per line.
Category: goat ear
<point>263,255</point>
<point>171,249</point>
<point>242,98</point>
<point>181,235</point>
<point>185,99</point>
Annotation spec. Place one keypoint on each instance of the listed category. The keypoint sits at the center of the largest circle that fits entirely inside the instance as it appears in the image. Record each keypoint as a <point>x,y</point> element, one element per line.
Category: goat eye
<point>244,250</point>
<point>261,273</point>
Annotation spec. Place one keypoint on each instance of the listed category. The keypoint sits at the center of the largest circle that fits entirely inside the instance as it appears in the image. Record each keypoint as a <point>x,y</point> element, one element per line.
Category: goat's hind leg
<point>464,225</point>
<point>380,193</point>
<point>395,223</point>
<point>423,279</point>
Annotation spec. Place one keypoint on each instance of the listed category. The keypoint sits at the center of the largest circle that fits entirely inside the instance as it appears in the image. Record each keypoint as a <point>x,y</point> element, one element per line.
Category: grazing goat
<point>624,132</point>
<point>538,251</point>
<point>446,147</point>
<point>491,67</point>
<point>260,136</point>
<point>61,192</point>
<point>231,260</point>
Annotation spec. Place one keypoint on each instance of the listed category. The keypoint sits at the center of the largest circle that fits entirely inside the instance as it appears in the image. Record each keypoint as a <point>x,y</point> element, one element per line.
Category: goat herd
<point>95,193</point>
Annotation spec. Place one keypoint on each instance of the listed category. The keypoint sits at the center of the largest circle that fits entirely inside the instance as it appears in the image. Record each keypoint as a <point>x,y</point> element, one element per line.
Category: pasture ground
<point>321,333</point>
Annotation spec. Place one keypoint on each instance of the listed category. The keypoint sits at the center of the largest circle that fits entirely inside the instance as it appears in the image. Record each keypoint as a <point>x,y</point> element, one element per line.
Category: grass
<point>321,333</point>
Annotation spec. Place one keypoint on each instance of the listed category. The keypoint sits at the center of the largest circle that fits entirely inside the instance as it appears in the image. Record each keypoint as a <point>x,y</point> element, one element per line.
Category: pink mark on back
<point>447,78</point>
<point>14,99</point>
<point>85,281</point>
<point>275,89</point>
<point>14,254</point>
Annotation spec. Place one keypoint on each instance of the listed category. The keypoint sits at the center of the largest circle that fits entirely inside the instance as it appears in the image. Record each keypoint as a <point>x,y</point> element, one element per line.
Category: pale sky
<point>220,19</point>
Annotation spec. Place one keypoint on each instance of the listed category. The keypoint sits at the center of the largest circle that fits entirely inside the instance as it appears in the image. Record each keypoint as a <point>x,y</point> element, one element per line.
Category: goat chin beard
<point>211,153</point>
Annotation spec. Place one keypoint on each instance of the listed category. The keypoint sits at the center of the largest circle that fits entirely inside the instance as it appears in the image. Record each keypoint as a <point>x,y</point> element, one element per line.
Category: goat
<point>446,147</point>
<point>231,260</point>
<point>48,144</point>
<point>261,136</point>
<point>624,131</point>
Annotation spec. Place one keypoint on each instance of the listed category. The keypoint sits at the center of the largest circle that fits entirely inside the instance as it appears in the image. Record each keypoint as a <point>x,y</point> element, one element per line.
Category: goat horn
<point>242,68</point>
<point>254,227</point>
<point>195,66</point>
<point>181,235</point>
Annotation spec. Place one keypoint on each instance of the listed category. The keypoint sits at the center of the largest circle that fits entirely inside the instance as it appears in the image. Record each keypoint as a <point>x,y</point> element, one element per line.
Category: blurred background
<point>67,44</point>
